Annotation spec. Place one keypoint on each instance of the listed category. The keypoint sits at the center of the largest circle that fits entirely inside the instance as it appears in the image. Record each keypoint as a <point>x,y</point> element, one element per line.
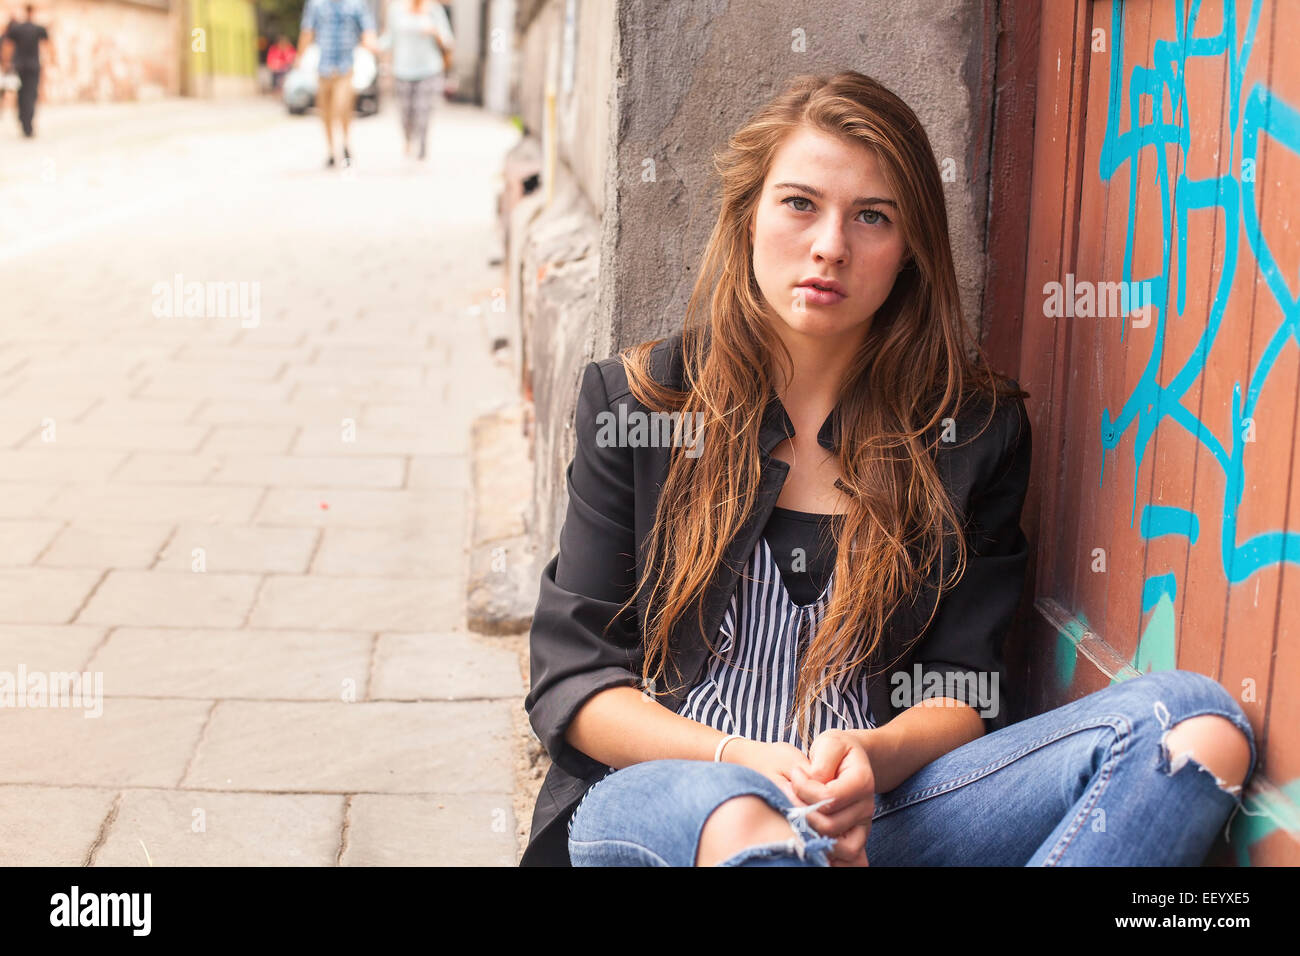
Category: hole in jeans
<point>1193,737</point>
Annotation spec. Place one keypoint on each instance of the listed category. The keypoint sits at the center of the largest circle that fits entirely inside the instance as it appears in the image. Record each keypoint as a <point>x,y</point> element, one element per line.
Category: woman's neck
<point>819,366</point>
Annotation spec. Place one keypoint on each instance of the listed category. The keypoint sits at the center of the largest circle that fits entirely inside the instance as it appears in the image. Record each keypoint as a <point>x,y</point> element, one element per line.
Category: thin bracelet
<point>717,754</point>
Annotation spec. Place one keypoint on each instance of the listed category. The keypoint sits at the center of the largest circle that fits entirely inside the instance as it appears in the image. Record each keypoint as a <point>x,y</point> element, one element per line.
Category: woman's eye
<point>876,214</point>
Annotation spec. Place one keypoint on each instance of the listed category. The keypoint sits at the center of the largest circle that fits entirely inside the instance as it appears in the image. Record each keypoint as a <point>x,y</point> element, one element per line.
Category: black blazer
<point>612,496</point>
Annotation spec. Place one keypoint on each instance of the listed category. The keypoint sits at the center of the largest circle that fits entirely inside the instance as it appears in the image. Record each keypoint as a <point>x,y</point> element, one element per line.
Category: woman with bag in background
<point>418,35</point>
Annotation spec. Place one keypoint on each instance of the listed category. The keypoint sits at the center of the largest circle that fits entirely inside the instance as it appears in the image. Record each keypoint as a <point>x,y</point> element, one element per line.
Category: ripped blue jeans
<point>1089,783</point>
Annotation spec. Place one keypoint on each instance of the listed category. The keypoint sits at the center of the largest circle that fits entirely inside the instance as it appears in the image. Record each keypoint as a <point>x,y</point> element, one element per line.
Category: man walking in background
<point>21,47</point>
<point>336,26</point>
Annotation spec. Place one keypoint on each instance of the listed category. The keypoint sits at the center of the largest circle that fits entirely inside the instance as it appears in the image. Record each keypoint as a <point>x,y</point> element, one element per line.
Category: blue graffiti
<point>1159,520</point>
<point>1259,110</point>
<point>1164,84</point>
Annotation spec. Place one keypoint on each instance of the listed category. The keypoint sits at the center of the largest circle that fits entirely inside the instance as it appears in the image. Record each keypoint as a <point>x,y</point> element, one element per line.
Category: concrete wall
<point>470,60</point>
<point>554,234</point>
<point>693,72</point>
<point>665,83</point>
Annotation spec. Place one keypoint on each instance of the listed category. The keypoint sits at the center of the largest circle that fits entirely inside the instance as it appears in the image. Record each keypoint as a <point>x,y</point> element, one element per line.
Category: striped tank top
<point>749,685</point>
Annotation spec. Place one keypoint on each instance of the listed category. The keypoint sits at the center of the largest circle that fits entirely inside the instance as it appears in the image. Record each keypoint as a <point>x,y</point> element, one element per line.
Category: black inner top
<point>788,530</point>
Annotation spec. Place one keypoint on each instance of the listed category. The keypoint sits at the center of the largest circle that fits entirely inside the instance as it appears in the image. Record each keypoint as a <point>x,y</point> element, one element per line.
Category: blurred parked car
<point>300,82</point>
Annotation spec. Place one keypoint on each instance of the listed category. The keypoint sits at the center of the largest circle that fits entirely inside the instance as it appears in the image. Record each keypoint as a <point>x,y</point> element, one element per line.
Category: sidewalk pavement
<point>252,532</point>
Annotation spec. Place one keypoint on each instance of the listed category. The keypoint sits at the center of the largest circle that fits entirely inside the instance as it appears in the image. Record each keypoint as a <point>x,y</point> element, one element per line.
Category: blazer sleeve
<point>966,637</point>
<point>582,587</point>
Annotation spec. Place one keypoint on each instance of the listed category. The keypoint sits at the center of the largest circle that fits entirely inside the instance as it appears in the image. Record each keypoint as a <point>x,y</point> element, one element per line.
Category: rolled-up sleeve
<point>365,19</point>
<point>583,586</point>
<point>309,16</point>
<point>963,647</point>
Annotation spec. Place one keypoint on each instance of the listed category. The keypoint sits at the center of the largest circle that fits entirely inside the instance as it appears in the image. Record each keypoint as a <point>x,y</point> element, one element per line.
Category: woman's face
<point>825,212</point>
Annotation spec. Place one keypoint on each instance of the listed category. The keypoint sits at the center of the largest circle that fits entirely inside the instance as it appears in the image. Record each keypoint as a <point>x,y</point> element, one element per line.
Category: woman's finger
<point>809,789</point>
<point>851,815</point>
<point>849,846</point>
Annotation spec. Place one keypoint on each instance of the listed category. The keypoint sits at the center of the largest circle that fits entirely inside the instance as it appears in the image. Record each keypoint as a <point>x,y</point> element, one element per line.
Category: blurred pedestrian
<point>21,48</point>
<point>279,58</point>
<point>337,27</point>
<point>419,36</point>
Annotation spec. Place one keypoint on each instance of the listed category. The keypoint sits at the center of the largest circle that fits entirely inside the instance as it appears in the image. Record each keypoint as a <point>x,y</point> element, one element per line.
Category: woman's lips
<point>816,296</point>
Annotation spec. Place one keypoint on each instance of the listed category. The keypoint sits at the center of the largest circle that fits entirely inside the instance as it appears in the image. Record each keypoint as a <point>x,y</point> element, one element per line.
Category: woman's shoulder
<point>988,413</point>
<point>985,438</point>
<point>662,358</point>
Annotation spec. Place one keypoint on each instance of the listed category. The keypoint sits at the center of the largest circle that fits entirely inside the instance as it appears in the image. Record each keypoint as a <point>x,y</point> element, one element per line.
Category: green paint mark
<point>1249,829</point>
<point>1155,650</point>
<point>1067,653</point>
<point>1066,659</point>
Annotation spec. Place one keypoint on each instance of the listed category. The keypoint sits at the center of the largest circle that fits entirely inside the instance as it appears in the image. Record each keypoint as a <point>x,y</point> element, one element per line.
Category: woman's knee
<point>1201,720</point>
<point>1215,743</point>
<point>737,824</point>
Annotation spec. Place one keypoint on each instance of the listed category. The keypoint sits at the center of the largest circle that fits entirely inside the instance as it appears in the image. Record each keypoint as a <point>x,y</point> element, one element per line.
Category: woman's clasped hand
<point>841,772</point>
<point>836,768</point>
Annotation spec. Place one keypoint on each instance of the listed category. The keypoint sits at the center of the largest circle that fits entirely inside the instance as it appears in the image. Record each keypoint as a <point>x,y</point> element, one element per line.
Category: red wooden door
<point>1167,458</point>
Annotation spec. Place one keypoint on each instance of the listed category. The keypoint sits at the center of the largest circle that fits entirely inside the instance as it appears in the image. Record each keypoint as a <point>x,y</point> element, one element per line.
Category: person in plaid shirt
<point>337,27</point>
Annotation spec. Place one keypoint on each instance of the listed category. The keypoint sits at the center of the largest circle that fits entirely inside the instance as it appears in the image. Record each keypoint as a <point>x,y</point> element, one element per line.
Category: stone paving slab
<point>430,438</point>
<point>48,647</point>
<point>21,542</point>
<point>443,829</point>
<point>133,743</point>
<point>238,548</point>
<point>43,464</point>
<point>224,663</point>
<point>43,595</point>
<point>175,598</point>
<point>324,412</point>
<point>412,551</point>
<point>383,747</point>
<point>183,389</point>
<point>358,603</point>
<point>310,471</point>
<point>364,508</point>
<point>157,502</point>
<point>208,828</point>
<point>119,435</point>
<point>23,499</point>
<point>449,666</point>
<point>107,544</point>
<point>117,411</point>
<point>250,439</point>
<point>50,826</point>
<point>168,467</point>
<point>438,471</point>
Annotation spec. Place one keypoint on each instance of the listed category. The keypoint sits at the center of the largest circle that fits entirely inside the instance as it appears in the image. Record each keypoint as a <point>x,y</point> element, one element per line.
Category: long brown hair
<point>912,372</point>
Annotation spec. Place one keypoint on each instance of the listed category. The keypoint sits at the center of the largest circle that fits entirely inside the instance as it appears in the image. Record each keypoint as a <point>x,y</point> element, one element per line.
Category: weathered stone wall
<point>110,51</point>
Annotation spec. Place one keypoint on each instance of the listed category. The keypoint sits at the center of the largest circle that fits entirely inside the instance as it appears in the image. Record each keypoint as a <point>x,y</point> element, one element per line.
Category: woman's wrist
<point>729,748</point>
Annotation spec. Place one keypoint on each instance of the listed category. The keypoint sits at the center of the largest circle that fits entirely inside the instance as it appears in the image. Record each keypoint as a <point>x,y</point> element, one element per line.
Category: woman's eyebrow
<point>860,201</point>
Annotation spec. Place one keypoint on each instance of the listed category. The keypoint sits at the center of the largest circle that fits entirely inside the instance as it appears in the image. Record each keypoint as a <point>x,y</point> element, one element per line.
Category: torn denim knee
<point>1171,765</point>
<point>806,844</point>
